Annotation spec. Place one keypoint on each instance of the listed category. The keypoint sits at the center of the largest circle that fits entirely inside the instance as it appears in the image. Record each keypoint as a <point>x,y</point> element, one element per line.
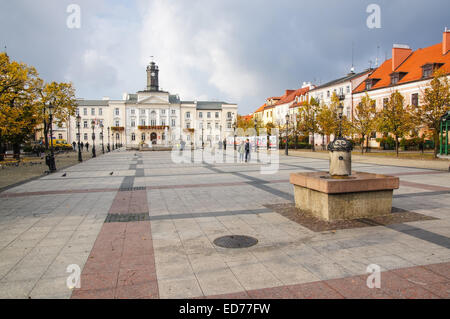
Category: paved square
<point>147,231</point>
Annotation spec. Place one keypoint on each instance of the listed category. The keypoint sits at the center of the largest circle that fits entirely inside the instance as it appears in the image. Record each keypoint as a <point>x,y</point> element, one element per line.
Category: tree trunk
<point>396,144</point>
<point>312,143</point>
<point>436,142</point>
<point>362,143</point>
<point>16,150</point>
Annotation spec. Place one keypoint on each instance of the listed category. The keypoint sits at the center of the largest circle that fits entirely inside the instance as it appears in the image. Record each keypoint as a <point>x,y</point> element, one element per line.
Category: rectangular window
<point>60,136</point>
<point>85,111</point>
<point>208,125</point>
<point>188,125</point>
<point>77,112</point>
<point>117,111</point>
<point>85,124</point>
<point>153,122</point>
<point>209,115</point>
<point>188,115</point>
<point>200,115</point>
<point>133,123</point>
<point>100,111</point>
<point>173,122</point>
<point>133,111</point>
<point>328,93</point>
<point>163,112</point>
<point>217,115</point>
<point>217,126</point>
<point>174,112</point>
<point>229,125</point>
<point>117,123</point>
<point>163,122</point>
<point>229,115</point>
<point>85,136</point>
<point>142,122</point>
<point>92,111</point>
<point>348,89</point>
<point>415,99</point>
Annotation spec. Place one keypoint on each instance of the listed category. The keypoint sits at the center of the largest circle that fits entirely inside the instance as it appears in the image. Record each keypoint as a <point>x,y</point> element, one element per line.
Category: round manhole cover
<point>235,241</point>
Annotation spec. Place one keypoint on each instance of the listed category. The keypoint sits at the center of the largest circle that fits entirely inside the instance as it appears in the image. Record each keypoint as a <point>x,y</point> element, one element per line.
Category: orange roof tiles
<point>412,66</point>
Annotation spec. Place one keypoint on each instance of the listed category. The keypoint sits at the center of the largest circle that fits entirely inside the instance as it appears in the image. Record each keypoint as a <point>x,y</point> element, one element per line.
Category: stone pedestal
<point>330,198</point>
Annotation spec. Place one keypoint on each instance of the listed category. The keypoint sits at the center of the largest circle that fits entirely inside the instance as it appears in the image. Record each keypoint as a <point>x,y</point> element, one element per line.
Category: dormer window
<point>429,68</point>
<point>396,77</point>
<point>370,83</point>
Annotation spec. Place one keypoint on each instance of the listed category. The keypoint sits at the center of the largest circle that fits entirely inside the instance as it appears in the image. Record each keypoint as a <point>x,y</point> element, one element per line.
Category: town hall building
<point>152,117</point>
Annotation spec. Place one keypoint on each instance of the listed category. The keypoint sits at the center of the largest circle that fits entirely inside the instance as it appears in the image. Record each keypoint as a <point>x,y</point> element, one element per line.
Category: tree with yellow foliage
<point>364,119</point>
<point>19,103</point>
<point>308,124</point>
<point>435,102</point>
<point>395,118</point>
<point>62,98</point>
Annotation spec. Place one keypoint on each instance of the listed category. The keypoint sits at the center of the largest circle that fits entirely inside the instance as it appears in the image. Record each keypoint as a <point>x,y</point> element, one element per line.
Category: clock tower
<point>152,77</point>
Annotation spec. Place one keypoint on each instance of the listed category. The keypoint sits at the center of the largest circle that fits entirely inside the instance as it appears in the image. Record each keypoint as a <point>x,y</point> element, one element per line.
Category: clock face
<point>153,73</point>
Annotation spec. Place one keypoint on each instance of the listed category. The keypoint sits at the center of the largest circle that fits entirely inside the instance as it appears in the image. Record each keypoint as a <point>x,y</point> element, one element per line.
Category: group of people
<point>81,145</point>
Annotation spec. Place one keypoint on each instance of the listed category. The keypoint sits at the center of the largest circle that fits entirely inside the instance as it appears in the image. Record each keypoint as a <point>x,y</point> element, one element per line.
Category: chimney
<point>400,53</point>
<point>446,41</point>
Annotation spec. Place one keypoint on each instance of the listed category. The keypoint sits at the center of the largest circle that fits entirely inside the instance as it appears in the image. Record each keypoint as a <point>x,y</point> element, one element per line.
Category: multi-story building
<point>153,117</point>
<point>341,87</point>
<point>408,72</point>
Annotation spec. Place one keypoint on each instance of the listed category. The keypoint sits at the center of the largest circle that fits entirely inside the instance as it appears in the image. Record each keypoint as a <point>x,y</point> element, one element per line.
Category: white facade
<point>152,117</point>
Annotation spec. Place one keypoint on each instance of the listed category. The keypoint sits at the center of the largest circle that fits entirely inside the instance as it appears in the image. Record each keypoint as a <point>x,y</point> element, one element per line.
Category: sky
<point>223,50</point>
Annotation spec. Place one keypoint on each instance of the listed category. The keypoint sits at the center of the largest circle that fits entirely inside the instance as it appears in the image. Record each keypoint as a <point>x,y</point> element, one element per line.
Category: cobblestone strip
<point>121,263</point>
<point>421,282</point>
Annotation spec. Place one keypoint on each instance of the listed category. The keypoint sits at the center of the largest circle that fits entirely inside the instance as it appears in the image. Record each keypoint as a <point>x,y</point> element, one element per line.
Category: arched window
<point>153,118</point>
<point>133,137</point>
<point>143,136</point>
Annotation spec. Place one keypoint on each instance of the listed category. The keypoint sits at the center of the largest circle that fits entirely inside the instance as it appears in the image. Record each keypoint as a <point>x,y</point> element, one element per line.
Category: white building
<point>342,87</point>
<point>153,116</point>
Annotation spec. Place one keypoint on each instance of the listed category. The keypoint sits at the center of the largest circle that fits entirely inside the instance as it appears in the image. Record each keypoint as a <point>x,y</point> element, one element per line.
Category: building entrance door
<point>153,138</point>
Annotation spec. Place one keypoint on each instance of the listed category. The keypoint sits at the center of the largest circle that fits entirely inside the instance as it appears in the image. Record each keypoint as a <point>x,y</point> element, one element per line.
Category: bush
<point>386,143</point>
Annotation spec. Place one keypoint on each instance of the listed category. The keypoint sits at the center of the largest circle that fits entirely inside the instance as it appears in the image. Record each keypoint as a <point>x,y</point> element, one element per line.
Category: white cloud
<point>195,51</point>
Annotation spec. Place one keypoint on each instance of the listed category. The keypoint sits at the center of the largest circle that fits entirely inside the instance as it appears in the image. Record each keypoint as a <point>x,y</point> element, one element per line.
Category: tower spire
<point>152,76</point>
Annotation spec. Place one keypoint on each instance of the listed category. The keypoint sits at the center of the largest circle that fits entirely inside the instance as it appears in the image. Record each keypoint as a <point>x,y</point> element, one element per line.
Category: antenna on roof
<point>378,51</point>
<point>353,67</point>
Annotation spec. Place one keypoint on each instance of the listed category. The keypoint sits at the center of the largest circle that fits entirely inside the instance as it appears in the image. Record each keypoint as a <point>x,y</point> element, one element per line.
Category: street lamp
<point>93,138</point>
<point>50,158</point>
<point>101,136</point>
<point>203,143</point>
<point>287,127</point>
<point>80,158</point>
<point>112,139</point>
<point>234,129</point>
<point>340,112</point>
<point>108,148</point>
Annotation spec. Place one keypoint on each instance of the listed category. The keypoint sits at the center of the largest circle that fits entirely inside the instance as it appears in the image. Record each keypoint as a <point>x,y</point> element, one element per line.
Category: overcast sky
<point>231,50</point>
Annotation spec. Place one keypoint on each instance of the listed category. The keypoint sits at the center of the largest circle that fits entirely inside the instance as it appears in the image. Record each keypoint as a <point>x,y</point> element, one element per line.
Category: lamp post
<point>256,137</point>
<point>234,134</point>
<point>101,136</point>
<point>203,143</point>
<point>80,158</point>
<point>287,132</point>
<point>93,138</point>
<point>340,112</point>
<point>50,158</point>
<point>108,148</point>
<point>112,139</point>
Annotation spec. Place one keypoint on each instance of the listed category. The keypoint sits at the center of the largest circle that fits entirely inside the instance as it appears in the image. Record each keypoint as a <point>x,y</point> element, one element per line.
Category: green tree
<point>435,102</point>
<point>395,118</point>
<point>364,120</point>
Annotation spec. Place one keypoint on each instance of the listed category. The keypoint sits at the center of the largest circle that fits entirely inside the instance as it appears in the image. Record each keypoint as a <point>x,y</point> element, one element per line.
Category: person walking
<point>74,146</point>
<point>224,144</point>
<point>87,146</point>
<point>82,146</point>
<point>241,151</point>
<point>247,150</point>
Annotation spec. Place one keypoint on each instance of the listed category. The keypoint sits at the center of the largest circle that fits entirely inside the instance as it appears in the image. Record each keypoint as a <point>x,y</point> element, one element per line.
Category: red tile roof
<point>412,66</point>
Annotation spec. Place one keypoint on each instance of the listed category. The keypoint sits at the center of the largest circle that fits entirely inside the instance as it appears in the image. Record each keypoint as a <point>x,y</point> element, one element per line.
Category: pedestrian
<point>247,150</point>
<point>87,146</point>
<point>225,144</point>
<point>82,145</point>
<point>241,151</point>
<point>220,145</point>
<point>74,145</point>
